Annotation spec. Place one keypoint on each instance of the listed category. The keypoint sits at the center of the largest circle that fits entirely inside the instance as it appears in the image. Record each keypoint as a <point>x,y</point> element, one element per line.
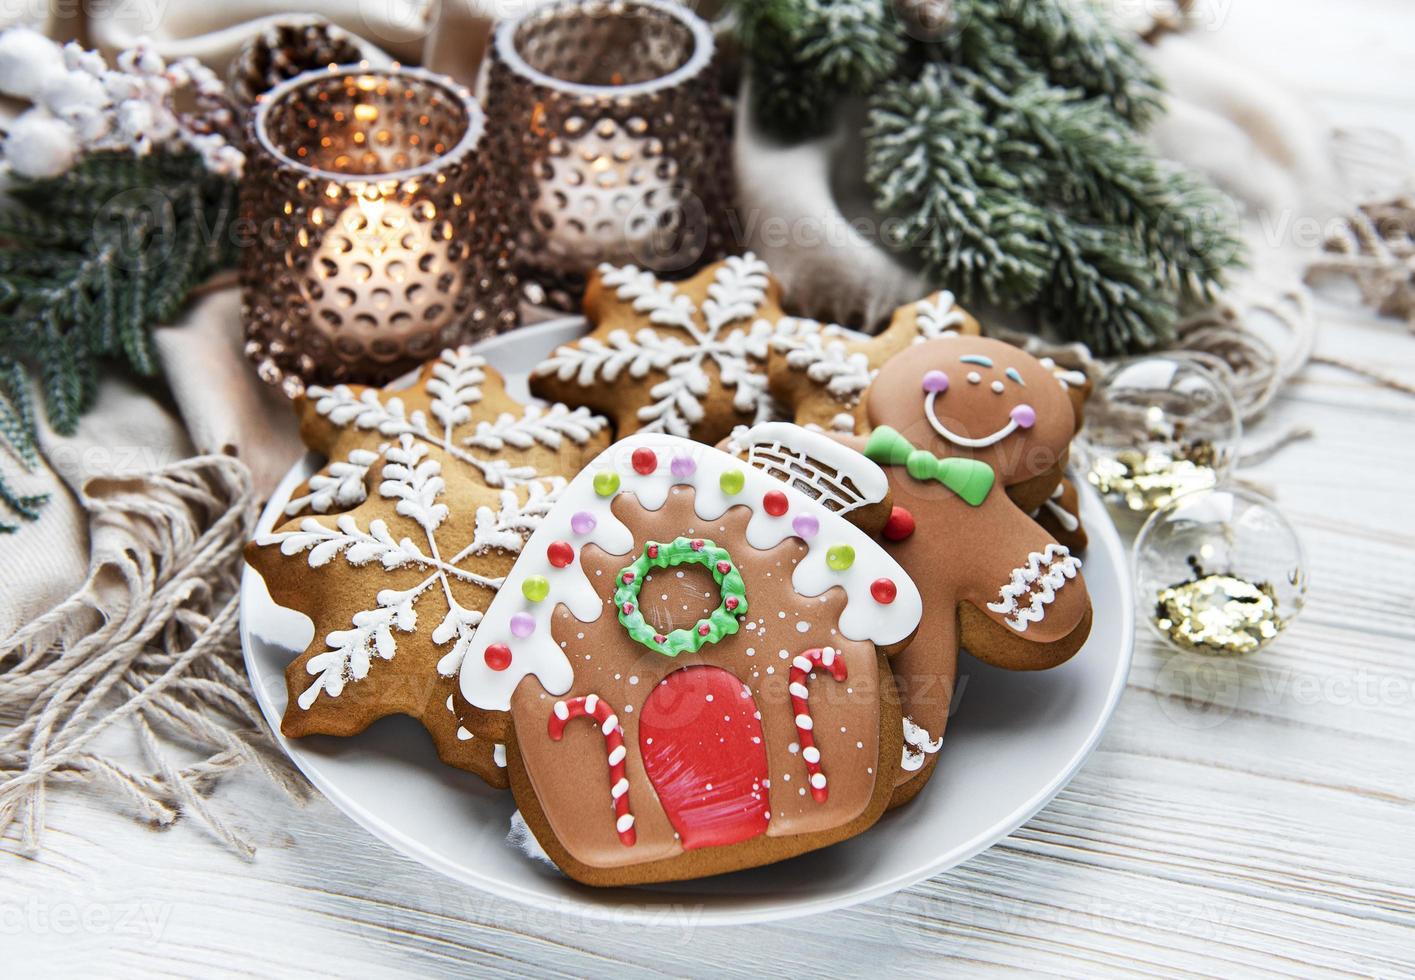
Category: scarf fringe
<point>162,660</point>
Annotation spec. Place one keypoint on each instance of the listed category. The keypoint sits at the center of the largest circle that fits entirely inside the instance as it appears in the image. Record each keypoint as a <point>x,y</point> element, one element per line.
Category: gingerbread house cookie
<point>692,653</point>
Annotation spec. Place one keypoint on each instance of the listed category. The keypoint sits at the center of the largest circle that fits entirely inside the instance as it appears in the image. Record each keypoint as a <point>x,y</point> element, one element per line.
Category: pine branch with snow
<point>1006,149</point>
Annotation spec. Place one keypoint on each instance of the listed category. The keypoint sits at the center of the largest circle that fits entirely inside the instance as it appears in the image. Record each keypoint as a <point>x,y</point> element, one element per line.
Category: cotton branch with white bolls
<point>81,105</point>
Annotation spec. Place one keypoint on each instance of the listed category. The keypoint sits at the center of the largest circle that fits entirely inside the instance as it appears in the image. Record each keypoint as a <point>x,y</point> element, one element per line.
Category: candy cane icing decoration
<point>801,669</point>
<point>590,706</point>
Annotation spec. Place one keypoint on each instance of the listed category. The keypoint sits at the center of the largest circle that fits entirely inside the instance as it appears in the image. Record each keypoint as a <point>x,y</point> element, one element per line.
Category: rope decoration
<point>1375,246</point>
<point>160,659</point>
<point>801,669</point>
<point>591,706</point>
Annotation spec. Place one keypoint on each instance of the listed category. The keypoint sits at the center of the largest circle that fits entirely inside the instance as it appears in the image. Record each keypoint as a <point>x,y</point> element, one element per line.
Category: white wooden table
<point>1268,828</point>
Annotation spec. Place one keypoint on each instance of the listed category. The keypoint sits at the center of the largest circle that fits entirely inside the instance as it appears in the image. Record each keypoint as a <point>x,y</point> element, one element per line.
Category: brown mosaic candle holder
<point>379,241</point>
<point>608,119</point>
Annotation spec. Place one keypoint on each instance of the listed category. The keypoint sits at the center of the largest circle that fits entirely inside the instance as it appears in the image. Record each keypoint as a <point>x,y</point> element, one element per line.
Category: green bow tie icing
<point>971,479</point>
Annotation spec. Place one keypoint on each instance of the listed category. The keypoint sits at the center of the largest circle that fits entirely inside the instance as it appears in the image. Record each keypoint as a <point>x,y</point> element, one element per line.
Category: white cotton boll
<point>141,60</point>
<point>79,58</point>
<point>28,60</point>
<point>121,87</point>
<point>72,91</point>
<point>39,145</point>
<point>91,125</point>
<point>135,118</point>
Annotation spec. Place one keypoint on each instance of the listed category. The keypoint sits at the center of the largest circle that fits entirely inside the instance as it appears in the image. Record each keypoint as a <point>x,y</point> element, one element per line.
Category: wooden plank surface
<point>1264,827</point>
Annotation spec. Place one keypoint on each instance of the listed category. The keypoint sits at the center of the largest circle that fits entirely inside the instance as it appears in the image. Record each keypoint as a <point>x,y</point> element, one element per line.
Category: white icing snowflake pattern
<point>412,476</point>
<point>695,338</point>
<point>823,351</point>
<point>455,385</point>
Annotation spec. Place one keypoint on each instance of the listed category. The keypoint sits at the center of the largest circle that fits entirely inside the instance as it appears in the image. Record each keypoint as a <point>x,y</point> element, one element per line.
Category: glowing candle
<point>376,243</point>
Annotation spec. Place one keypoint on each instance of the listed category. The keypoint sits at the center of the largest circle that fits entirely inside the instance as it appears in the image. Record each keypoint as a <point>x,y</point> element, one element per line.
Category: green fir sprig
<point>1008,149</point>
<point>90,261</point>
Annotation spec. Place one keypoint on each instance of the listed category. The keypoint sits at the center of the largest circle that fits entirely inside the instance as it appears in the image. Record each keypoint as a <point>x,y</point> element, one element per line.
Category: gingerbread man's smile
<point>936,383</point>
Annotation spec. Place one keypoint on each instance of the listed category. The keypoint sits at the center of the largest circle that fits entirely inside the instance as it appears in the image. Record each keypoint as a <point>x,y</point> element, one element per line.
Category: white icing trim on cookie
<point>736,295</point>
<point>820,350</point>
<point>918,744</point>
<point>965,441</point>
<point>533,650</point>
<point>806,445</point>
<point>1064,517</point>
<point>1051,569</point>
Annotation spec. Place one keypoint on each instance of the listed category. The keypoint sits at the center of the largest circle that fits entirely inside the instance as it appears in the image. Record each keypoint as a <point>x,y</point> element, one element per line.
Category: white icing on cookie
<point>968,442</point>
<point>772,444</point>
<point>696,336</point>
<point>917,745</point>
<point>1048,571</point>
<point>1064,517</point>
<point>821,351</point>
<point>678,462</point>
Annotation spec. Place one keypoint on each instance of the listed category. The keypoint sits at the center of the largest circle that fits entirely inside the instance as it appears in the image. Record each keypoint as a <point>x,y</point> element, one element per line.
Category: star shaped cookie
<point>396,547</point>
<point>688,359</point>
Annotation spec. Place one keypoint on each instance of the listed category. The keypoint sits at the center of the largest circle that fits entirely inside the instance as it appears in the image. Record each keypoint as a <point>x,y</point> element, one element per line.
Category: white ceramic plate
<point>1013,742</point>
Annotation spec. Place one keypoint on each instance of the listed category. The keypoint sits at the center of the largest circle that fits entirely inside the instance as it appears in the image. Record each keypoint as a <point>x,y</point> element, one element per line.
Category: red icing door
<point>702,747</point>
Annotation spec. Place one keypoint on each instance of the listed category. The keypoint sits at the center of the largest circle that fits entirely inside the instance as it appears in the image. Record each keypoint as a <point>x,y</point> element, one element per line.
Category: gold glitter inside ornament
<point>1219,614</point>
<point>1150,479</point>
<point>1219,572</point>
<point>1157,428</point>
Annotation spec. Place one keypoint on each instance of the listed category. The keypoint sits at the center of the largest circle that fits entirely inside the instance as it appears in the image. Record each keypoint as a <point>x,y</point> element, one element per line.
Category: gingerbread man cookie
<point>692,655</point>
<point>397,546</point>
<point>973,434</point>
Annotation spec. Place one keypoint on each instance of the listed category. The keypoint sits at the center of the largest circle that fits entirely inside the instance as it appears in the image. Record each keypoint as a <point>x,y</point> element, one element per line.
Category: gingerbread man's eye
<point>935,382</point>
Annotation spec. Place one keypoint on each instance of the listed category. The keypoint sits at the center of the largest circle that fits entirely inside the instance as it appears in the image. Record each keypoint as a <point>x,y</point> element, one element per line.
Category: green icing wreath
<point>723,620</point>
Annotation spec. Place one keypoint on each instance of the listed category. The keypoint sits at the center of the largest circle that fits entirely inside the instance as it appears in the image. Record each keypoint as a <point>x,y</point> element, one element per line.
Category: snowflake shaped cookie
<point>397,546</point>
<point>688,359</point>
<point>823,369</point>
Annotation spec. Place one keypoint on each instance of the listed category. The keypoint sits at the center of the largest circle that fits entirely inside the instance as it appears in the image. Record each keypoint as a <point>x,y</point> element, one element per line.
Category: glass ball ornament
<point>1219,572</point>
<point>1157,428</point>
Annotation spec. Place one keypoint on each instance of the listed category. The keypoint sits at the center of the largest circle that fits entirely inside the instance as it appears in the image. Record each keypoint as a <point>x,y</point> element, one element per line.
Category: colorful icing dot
<point>535,588</point>
<point>644,460</point>
<point>806,526</point>
<point>883,590</point>
<point>522,625</point>
<point>1025,416</point>
<point>899,526</point>
<point>560,553</point>
<point>582,522</point>
<point>723,567</point>
<point>497,656</point>
<point>732,482</point>
<point>606,483</point>
<point>840,557</point>
<point>775,503</point>
<point>683,467</point>
<point>935,381</point>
